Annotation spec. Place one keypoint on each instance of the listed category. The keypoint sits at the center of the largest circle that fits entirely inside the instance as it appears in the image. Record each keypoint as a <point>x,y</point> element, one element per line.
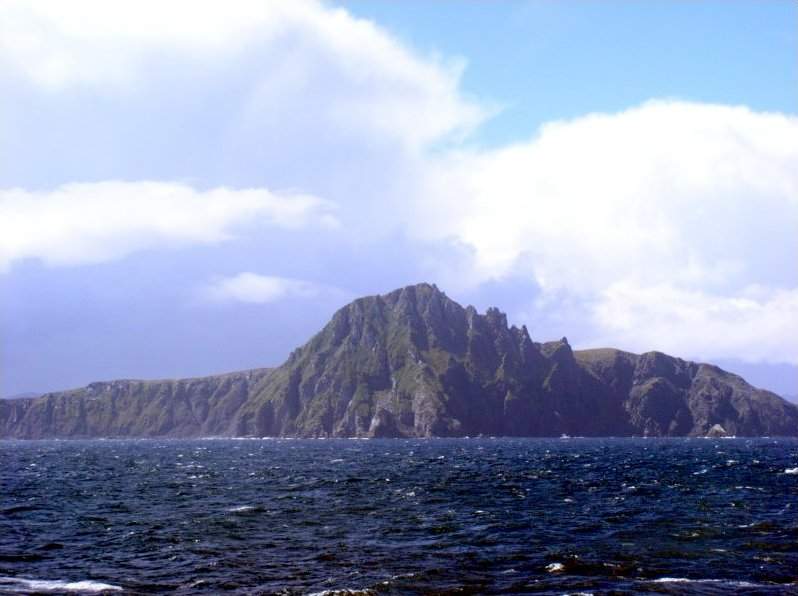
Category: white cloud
<point>668,191</point>
<point>260,289</point>
<point>353,75</point>
<point>757,324</point>
<point>668,212</point>
<point>56,44</point>
<point>103,221</point>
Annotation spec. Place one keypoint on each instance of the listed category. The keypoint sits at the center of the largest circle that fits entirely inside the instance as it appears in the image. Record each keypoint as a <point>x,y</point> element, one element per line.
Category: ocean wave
<point>344,592</point>
<point>23,585</point>
<point>242,509</point>
<point>302,524</point>
<point>725,582</point>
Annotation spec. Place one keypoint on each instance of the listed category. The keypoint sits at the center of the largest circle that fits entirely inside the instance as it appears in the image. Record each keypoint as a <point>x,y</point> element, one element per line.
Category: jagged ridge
<point>415,363</point>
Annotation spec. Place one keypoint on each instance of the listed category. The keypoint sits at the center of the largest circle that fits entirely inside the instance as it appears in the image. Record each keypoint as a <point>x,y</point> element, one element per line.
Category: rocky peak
<point>416,296</point>
<point>496,319</point>
<point>559,351</point>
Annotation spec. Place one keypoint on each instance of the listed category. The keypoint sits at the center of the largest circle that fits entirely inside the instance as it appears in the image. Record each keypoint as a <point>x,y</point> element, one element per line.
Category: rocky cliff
<point>182,408</point>
<point>416,363</point>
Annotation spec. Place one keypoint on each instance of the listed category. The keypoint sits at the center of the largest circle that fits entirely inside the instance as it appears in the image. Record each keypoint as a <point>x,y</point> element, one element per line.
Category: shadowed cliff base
<point>414,363</point>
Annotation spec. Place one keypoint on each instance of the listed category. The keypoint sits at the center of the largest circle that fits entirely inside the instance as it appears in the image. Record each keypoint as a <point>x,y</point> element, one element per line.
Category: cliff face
<point>415,363</point>
<point>666,396</point>
<point>183,408</point>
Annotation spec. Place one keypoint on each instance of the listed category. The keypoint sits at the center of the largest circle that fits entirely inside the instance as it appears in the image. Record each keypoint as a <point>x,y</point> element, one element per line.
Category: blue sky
<point>189,188</point>
<point>550,60</point>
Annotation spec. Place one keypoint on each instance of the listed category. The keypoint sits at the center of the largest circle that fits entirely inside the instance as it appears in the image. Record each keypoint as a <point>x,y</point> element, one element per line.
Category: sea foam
<point>22,585</point>
<point>241,509</point>
<point>725,582</point>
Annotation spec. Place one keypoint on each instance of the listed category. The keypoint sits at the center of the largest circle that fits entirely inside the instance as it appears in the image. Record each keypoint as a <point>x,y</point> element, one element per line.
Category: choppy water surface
<point>474,516</point>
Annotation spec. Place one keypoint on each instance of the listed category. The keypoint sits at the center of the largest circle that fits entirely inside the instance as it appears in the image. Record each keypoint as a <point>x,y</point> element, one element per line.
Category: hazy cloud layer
<point>116,46</point>
<point>93,223</point>
<point>278,95</point>
<point>754,323</point>
<point>261,289</point>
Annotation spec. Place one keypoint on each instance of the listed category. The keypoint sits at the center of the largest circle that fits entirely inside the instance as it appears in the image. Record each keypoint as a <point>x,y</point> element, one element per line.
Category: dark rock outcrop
<point>415,363</point>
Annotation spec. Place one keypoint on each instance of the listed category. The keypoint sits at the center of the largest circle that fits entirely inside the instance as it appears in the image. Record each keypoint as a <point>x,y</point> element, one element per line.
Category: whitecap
<point>20,584</point>
<point>791,471</point>
<point>241,509</point>
<point>344,592</point>
<point>726,582</point>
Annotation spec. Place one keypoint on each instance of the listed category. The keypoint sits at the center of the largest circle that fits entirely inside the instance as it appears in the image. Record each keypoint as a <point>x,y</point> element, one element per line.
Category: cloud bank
<point>666,191</point>
<point>100,222</point>
<point>760,323</point>
<point>662,212</point>
<point>296,57</point>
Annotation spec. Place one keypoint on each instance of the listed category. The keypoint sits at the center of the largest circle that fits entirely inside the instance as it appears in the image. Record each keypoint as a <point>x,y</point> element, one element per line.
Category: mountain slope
<point>415,363</point>
<point>182,408</point>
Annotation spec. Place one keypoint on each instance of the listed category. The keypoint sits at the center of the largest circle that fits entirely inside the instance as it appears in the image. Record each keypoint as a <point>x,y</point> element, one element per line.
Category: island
<point>415,363</point>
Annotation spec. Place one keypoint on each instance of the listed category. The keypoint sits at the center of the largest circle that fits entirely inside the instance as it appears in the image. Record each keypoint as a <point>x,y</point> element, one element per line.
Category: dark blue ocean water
<point>468,516</point>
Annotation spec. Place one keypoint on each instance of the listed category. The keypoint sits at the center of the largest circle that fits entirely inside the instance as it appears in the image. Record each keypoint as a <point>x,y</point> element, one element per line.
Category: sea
<point>401,516</point>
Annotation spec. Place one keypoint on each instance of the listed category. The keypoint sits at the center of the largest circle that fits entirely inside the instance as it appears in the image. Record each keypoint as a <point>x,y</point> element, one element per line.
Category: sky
<point>191,187</point>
